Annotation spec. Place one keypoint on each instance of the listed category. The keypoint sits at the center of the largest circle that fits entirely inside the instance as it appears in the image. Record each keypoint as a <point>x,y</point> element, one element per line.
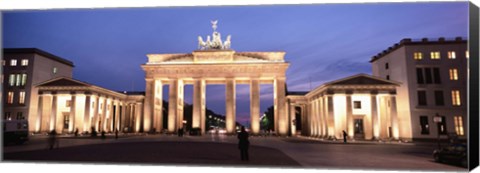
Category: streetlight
<point>437,119</point>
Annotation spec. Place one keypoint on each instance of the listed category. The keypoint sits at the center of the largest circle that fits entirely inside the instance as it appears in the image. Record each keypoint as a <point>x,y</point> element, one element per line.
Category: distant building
<point>433,77</point>
<point>23,68</point>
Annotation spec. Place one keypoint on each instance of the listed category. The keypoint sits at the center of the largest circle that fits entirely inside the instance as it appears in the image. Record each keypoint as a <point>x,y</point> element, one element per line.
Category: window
<point>435,55</point>
<point>442,126</point>
<point>55,70</point>
<point>458,125</point>
<point>451,55</point>
<point>24,79</point>
<point>453,74</point>
<point>424,125</point>
<point>417,55</point>
<point>428,75</point>
<point>8,116</point>
<point>456,98</point>
<point>439,98</point>
<point>436,76</point>
<point>357,104</point>
<point>18,79</point>
<point>420,76</point>
<point>24,62</point>
<point>388,77</point>
<point>21,97</point>
<point>422,98</point>
<point>20,116</point>
<point>10,97</point>
<point>467,54</point>
<point>13,62</point>
<point>386,65</point>
<point>11,79</point>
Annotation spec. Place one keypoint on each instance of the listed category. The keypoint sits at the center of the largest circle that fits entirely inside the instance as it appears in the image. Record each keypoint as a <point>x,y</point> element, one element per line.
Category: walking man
<point>344,136</point>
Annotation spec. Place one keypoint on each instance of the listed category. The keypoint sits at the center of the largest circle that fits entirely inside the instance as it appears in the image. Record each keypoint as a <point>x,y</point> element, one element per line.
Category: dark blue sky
<point>322,42</point>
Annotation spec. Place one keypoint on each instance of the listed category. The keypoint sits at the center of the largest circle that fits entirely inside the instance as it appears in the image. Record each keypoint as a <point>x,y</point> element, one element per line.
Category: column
<point>203,118</point>
<point>138,118</point>
<point>322,117</point>
<point>230,105</point>
<point>86,117</point>
<point>149,102</point>
<point>53,114</point>
<point>293,125</point>
<point>312,117</point>
<point>331,118</point>
<point>255,105</point>
<point>180,102</point>
<point>279,87</point>
<point>73,107</point>
<point>350,126</point>
<point>39,112</point>
<point>304,120</point>
<point>94,123</point>
<point>116,122</point>
<point>375,119</point>
<point>197,103</point>
<point>172,106</point>
<point>394,118</point>
<point>317,117</point>
<point>158,106</point>
<point>123,116</point>
<point>104,115</point>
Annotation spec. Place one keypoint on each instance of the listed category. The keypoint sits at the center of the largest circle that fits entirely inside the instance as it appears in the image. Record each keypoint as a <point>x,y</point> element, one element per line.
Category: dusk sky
<point>322,42</point>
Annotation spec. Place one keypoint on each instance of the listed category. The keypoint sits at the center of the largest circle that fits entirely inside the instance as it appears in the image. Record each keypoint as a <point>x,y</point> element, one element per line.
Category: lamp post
<point>437,119</point>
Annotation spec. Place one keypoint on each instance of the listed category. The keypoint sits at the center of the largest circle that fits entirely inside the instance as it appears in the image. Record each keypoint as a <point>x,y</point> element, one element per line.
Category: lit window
<point>24,62</point>
<point>467,55</point>
<point>13,62</point>
<point>24,79</point>
<point>453,74</point>
<point>451,55</point>
<point>417,55</point>
<point>435,55</point>
<point>10,97</point>
<point>11,79</point>
<point>456,98</point>
<point>458,125</point>
<point>357,104</point>
<point>55,70</point>
<point>21,97</point>
<point>18,79</point>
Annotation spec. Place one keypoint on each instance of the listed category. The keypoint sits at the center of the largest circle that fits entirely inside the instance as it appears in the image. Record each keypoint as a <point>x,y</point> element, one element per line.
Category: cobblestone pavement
<point>292,152</point>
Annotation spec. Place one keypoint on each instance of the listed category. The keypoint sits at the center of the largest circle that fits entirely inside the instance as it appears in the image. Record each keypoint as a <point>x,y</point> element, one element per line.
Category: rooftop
<point>37,51</point>
<point>423,41</point>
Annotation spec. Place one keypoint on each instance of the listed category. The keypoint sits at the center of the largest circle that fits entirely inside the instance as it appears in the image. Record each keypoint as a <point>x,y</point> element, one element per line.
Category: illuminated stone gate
<point>213,63</point>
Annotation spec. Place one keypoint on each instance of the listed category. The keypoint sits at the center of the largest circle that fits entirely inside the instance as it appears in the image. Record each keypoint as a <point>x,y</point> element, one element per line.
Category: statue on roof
<point>216,43</point>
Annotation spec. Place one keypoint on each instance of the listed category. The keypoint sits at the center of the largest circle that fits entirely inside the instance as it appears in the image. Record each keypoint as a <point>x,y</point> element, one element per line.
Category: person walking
<point>243,144</point>
<point>52,139</point>
<point>344,136</point>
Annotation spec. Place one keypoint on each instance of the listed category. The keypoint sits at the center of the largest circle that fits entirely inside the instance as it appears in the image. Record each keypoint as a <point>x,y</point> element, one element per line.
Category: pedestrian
<point>243,144</point>
<point>52,139</point>
<point>344,136</point>
<point>103,135</point>
<point>76,132</point>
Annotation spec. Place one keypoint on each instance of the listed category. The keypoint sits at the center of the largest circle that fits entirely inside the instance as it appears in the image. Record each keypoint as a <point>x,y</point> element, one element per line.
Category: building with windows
<point>433,77</point>
<point>23,68</point>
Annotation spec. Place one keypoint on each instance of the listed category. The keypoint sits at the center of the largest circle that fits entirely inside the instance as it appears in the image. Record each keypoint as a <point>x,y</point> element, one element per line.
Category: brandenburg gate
<point>213,63</point>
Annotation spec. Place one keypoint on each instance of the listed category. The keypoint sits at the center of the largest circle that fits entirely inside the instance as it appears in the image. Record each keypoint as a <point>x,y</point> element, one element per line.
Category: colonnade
<point>153,104</point>
<point>86,110</point>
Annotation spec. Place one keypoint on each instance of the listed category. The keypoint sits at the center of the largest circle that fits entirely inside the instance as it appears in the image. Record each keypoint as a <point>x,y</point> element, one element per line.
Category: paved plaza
<point>221,150</point>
